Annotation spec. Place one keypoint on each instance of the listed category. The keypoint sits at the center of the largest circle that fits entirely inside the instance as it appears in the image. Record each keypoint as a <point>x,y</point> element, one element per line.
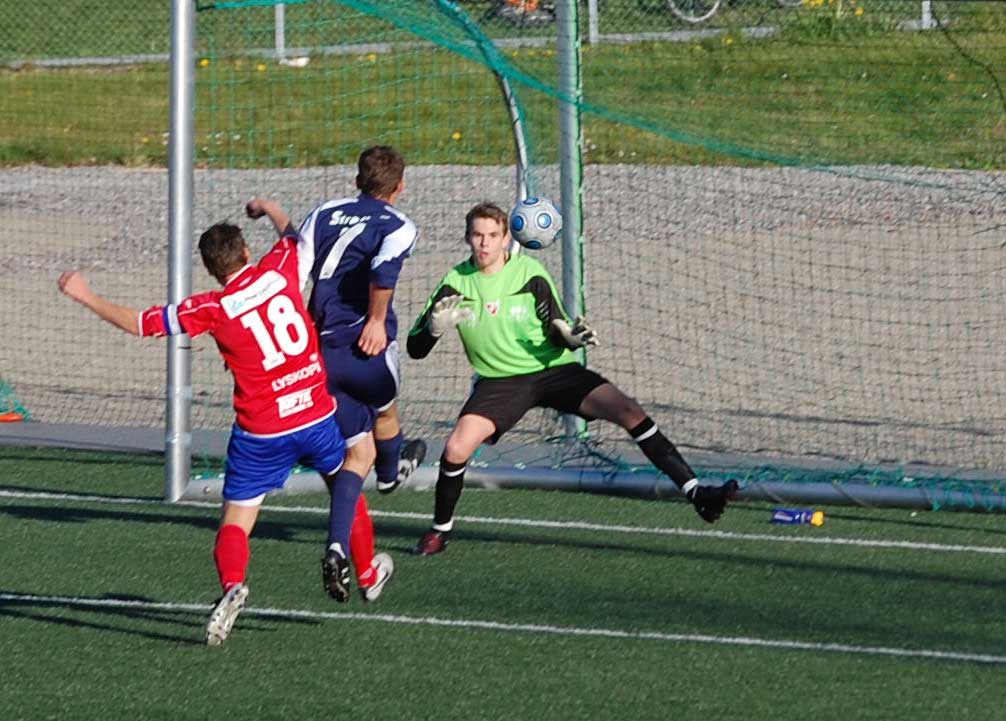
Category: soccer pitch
<point>841,310</point>
<point>546,605</point>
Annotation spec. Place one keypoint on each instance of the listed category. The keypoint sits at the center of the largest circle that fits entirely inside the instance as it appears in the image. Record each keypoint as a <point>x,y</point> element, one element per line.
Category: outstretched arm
<point>553,317</point>
<point>257,207</point>
<point>72,283</point>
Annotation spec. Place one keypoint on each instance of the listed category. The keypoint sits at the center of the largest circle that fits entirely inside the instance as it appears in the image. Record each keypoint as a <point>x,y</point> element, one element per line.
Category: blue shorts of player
<point>259,464</point>
<point>362,385</point>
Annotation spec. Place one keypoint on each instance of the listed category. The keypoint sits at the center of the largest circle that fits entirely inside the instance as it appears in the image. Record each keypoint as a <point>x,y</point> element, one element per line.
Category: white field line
<point>496,626</point>
<point>561,525</point>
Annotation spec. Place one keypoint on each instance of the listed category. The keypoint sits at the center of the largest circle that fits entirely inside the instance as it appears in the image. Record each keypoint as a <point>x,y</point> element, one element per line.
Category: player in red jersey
<point>285,414</point>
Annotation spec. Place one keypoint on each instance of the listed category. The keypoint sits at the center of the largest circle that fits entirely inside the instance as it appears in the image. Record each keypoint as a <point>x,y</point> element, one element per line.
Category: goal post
<point>570,169</point>
<point>358,47</point>
<point>178,416</point>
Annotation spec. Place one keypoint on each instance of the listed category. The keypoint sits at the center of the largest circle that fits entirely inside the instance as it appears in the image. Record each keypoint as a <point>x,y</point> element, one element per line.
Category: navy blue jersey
<point>346,245</point>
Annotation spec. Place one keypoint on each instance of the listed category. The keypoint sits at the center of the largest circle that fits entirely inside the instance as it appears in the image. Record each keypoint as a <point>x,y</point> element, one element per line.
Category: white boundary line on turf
<point>280,613</point>
<point>562,525</point>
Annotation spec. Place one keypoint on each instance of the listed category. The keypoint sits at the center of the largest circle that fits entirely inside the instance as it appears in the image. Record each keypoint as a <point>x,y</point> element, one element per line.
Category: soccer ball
<point>535,222</point>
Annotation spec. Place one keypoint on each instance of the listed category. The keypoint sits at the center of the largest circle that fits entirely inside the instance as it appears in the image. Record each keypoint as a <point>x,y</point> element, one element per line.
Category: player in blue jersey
<point>353,250</point>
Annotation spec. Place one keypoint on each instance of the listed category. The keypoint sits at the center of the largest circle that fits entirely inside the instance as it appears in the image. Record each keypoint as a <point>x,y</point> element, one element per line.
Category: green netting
<point>816,85</point>
<point>10,407</point>
<point>793,212</point>
<point>293,131</point>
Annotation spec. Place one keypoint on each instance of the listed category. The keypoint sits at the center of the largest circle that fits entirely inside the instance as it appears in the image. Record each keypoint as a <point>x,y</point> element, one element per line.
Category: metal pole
<point>927,15</point>
<point>178,436</point>
<point>519,136</point>
<point>657,487</point>
<point>520,145</point>
<point>280,31</point>
<point>593,33</point>
<point>570,167</point>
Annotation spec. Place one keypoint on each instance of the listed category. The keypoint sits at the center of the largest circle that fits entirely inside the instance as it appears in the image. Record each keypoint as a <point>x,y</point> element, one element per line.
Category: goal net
<point>791,248</point>
<point>792,214</point>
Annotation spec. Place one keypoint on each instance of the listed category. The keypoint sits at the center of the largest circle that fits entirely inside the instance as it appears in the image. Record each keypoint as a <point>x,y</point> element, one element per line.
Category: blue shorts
<point>257,464</point>
<point>362,385</point>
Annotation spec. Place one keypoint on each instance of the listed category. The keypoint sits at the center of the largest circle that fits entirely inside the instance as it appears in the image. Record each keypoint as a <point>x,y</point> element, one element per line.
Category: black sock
<point>449,484</point>
<point>661,452</point>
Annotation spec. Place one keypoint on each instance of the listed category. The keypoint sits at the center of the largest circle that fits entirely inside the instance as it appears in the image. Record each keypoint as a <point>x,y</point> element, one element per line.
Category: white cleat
<point>225,612</point>
<point>385,567</point>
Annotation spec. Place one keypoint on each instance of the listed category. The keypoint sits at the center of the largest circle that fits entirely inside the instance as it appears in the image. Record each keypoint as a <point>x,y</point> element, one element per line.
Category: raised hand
<point>255,208</point>
<point>446,314</point>
<point>72,283</point>
<point>578,336</point>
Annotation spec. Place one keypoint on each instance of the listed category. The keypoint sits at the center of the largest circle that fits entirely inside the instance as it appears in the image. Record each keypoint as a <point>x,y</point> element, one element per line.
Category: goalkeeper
<point>520,342</point>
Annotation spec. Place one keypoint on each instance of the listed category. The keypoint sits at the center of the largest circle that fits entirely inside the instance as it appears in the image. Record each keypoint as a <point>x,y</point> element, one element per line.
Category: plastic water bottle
<point>798,516</point>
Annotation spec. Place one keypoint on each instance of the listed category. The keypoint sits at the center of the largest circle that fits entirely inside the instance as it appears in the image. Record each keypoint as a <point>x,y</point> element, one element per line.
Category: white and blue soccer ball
<point>535,222</point>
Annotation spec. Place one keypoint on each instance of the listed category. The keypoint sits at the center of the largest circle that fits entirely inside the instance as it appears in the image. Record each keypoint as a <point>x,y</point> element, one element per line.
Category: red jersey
<point>266,338</point>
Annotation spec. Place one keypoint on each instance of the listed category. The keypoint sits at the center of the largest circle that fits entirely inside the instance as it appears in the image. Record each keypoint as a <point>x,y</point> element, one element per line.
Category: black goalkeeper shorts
<point>504,401</point>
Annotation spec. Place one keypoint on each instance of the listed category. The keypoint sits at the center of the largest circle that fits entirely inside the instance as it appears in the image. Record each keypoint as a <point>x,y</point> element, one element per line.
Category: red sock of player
<point>231,555</point>
<point>361,544</point>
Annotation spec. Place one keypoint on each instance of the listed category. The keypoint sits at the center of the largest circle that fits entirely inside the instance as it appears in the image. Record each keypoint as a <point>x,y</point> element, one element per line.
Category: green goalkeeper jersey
<point>509,333</point>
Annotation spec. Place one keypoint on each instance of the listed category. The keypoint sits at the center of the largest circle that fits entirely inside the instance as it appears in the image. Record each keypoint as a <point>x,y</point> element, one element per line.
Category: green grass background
<point>824,89</point>
<point>69,663</point>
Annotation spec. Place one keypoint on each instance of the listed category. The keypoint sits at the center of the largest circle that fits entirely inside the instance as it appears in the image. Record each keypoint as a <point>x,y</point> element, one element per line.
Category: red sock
<point>361,543</point>
<point>231,555</point>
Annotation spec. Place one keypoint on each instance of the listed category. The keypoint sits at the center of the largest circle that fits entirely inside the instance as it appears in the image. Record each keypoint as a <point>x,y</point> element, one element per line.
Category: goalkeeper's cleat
<point>335,574</point>
<point>224,613</point>
<point>413,453</point>
<point>383,568</point>
<point>710,501</point>
<point>432,542</point>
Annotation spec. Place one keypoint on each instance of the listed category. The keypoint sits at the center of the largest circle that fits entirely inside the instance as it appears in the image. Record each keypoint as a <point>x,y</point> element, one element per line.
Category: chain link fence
<point>76,32</point>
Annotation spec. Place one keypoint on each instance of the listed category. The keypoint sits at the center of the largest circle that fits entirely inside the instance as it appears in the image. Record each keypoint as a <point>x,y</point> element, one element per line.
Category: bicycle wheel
<point>694,11</point>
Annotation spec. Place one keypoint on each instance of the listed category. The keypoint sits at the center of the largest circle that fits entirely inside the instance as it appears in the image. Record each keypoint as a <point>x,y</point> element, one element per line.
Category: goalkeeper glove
<point>709,501</point>
<point>578,336</point>
<point>446,314</point>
